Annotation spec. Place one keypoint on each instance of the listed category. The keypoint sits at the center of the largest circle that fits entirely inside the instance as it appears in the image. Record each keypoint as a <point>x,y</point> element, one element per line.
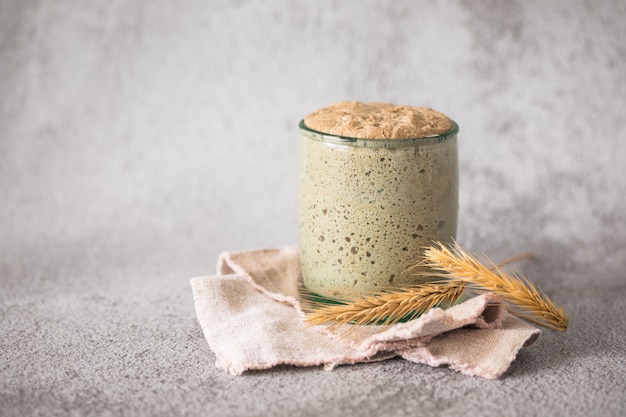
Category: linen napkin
<point>251,316</point>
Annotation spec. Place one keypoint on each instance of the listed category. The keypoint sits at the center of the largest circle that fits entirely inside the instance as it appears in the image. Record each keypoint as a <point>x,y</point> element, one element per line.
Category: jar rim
<point>379,143</point>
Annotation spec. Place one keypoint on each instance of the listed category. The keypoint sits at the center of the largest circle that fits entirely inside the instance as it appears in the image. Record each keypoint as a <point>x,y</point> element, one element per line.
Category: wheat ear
<point>387,306</point>
<point>525,300</point>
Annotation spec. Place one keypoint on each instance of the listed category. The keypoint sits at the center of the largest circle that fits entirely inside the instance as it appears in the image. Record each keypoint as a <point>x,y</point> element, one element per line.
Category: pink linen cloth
<point>251,317</point>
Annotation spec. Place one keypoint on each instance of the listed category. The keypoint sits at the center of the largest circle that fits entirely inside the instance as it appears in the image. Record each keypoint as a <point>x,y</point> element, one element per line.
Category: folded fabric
<point>251,317</point>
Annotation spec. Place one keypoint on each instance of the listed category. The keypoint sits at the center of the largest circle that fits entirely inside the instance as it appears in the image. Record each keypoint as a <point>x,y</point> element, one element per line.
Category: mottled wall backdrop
<point>156,134</point>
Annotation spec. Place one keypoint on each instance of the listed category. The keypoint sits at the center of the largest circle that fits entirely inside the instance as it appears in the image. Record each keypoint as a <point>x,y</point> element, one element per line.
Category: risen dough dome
<point>377,121</point>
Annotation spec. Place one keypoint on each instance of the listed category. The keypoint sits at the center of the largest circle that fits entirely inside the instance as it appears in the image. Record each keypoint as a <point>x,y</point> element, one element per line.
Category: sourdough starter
<point>376,184</point>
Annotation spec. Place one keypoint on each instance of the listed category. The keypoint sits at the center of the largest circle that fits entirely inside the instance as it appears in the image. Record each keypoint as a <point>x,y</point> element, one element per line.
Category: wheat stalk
<point>525,300</point>
<point>459,270</point>
<point>387,306</point>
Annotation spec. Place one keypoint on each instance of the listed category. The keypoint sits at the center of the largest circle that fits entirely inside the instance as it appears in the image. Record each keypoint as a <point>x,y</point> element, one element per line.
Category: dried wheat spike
<point>387,306</point>
<point>525,300</point>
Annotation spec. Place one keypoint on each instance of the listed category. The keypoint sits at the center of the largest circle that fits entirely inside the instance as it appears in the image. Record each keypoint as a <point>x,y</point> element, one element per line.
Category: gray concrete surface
<point>138,139</point>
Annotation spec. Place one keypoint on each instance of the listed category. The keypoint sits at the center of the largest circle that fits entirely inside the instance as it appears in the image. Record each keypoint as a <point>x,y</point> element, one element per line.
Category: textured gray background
<point>138,139</point>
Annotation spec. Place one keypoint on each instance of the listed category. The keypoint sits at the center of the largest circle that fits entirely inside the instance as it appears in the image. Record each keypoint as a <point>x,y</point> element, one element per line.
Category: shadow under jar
<point>367,208</point>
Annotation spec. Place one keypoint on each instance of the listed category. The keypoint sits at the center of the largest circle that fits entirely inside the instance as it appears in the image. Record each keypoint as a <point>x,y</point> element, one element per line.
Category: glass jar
<point>367,208</point>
